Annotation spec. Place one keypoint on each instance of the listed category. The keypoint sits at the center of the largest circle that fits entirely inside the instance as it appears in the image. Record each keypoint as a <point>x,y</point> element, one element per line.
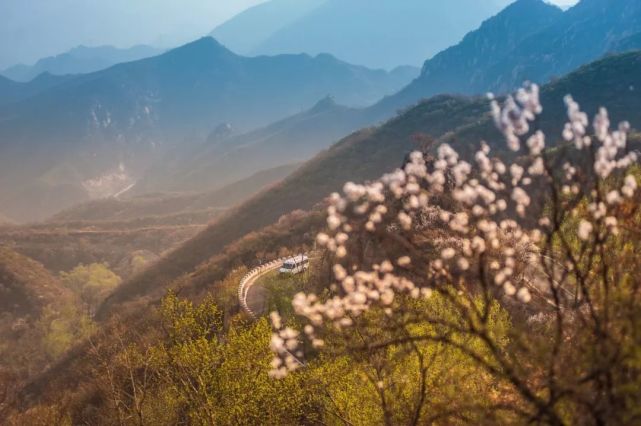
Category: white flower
<point>478,244</point>
<point>524,295</point>
<point>520,196</point>
<point>536,143</point>
<point>448,253</point>
<point>341,238</point>
<point>613,197</point>
<point>333,222</point>
<point>601,124</point>
<point>463,263</point>
<point>405,220</point>
<point>339,272</point>
<point>517,173</point>
<point>276,320</point>
<point>387,298</point>
<point>585,229</point>
<point>629,186</point>
<point>509,288</point>
<point>322,239</point>
<point>404,261</point>
<point>537,167</point>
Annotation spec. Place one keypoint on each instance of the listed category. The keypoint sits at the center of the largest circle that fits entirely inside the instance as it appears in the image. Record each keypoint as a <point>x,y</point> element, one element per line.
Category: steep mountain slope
<point>465,67</point>
<point>384,33</point>
<point>249,29</point>
<point>80,60</point>
<point>530,40</point>
<point>369,153</point>
<point>97,133</point>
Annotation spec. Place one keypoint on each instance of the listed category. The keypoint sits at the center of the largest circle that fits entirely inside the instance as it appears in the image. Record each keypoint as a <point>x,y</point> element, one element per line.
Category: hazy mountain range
<point>382,33</point>
<point>95,133</point>
<point>147,122</point>
<point>80,60</point>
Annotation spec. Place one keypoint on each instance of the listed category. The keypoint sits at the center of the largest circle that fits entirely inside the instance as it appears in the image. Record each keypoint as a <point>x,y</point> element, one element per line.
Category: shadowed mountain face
<point>95,134</point>
<point>382,33</point>
<point>80,60</point>
<point>529,40</point>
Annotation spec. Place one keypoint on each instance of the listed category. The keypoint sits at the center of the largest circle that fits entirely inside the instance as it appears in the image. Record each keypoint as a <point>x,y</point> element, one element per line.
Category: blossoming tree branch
<point>429,257</point>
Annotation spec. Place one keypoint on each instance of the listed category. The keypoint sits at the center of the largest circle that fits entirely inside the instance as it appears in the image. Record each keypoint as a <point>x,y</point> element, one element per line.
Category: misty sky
<point>31,29</point>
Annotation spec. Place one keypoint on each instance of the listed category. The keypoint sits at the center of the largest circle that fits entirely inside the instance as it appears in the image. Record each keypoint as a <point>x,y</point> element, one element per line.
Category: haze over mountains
<point>102,130</point>
<point>379,34</point>
<point>223,160</point>
<point>80,60</point>
<point>13,91</point>
<point>145,124</point>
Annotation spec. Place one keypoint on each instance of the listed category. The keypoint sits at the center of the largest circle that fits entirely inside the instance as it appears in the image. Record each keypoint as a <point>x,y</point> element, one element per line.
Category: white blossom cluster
<point>481,229</point>
<point>513,119</point>
<point>282,343</point>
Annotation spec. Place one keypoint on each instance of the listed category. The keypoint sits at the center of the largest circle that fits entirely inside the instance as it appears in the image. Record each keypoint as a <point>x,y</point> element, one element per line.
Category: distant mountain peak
<point>525,5</point>
<point>207,41</point>
<point>204,46</point>
<point>327,103</point>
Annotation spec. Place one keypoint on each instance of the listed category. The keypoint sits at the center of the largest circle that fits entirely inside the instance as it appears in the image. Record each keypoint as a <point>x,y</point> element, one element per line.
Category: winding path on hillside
<point>250,279</point>
<point>252,304</point>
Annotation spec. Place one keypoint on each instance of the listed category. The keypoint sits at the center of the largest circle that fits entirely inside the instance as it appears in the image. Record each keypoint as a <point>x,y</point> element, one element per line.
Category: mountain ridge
<point>80,60</point>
